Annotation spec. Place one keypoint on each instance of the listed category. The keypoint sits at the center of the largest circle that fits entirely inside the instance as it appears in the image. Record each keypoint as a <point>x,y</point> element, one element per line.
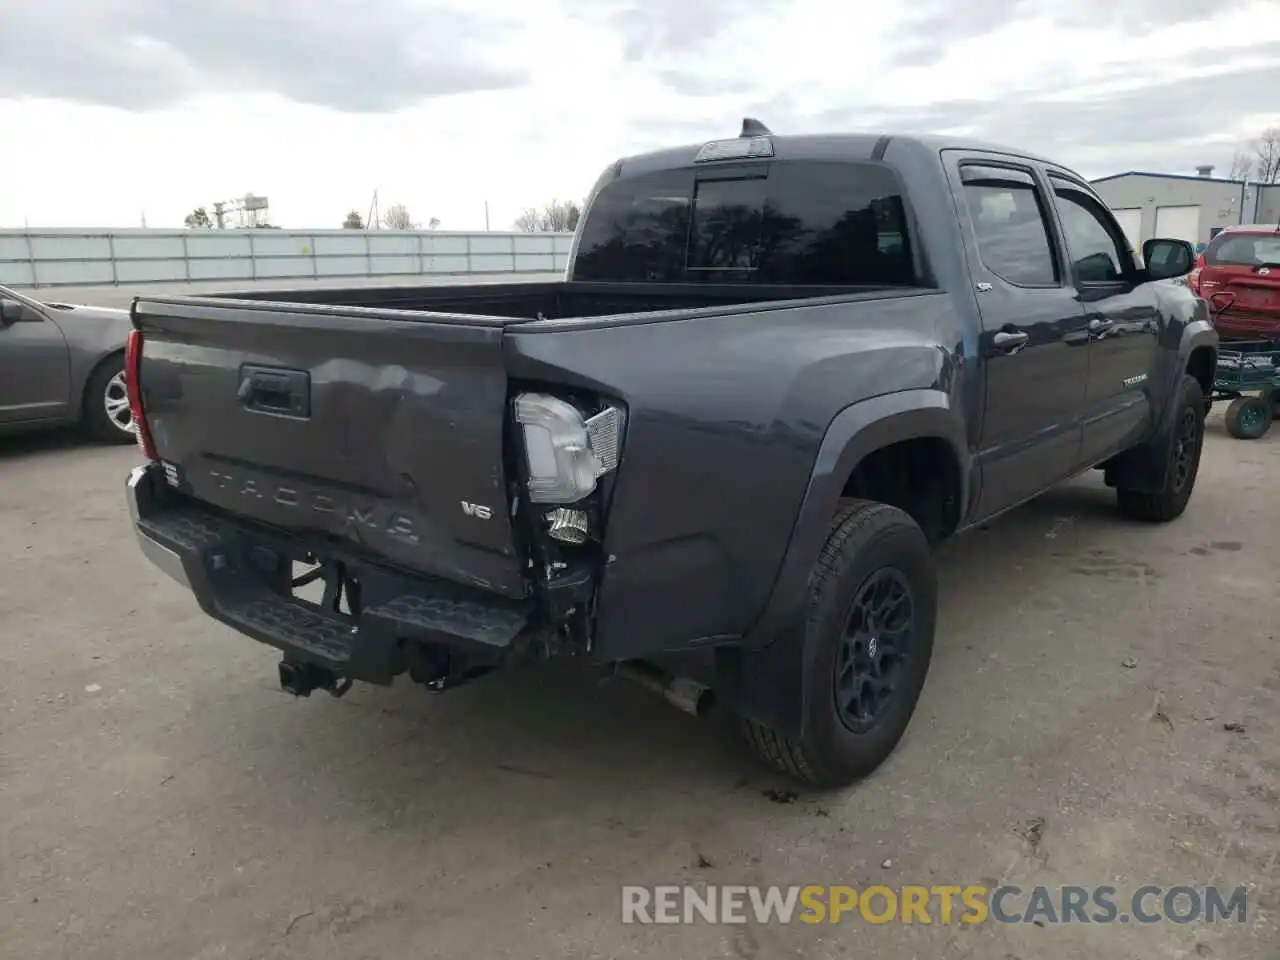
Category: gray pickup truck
<point>714,458</point>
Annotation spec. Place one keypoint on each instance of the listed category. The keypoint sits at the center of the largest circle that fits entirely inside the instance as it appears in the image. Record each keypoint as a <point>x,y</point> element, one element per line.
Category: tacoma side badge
<point>477,510</point>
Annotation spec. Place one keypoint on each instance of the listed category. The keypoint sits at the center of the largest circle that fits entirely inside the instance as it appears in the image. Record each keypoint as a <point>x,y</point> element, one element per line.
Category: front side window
<point>1096,255</point>
<point>1009,221</point>
<point>790,223</point>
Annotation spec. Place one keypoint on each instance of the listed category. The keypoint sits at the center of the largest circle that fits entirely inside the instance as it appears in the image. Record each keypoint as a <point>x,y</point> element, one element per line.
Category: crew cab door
<point>1034,341</point>
<point>1123,322</point>
<point>34,372</point>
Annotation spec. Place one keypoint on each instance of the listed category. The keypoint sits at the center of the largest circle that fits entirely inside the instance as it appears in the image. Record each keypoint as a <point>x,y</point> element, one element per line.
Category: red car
<point>1239,274</point>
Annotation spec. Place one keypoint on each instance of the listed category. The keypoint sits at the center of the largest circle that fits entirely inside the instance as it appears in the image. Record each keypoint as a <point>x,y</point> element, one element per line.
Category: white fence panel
<point>40,258</point>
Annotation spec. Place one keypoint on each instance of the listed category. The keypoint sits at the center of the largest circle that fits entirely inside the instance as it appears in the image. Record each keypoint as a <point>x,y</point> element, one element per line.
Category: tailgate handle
<point>275,390</point>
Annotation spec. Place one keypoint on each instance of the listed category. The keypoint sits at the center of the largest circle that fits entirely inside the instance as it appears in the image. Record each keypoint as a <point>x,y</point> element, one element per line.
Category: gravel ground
<point>160,798</point>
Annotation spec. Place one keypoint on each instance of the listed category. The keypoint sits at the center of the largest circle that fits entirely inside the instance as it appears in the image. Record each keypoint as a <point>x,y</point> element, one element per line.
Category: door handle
<point>1007,341</point>
<point>1097,326</point>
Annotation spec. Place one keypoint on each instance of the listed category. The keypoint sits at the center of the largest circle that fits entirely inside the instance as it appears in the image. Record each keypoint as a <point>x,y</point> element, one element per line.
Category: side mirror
<point>1166,259</point>
<point>15,311</point>
<point>11,312</point>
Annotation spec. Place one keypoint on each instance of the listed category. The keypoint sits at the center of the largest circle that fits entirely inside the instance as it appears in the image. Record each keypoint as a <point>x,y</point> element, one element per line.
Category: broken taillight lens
<point>133,384</point>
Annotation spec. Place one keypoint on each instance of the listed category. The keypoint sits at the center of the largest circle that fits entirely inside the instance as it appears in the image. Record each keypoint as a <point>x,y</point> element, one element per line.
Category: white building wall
<point>1219,203</point>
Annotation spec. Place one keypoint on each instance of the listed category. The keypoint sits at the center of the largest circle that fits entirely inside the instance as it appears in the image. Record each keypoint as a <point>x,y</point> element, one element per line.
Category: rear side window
<point>790,223</point>
<point>1244,249</point>
<point>1010,222</point>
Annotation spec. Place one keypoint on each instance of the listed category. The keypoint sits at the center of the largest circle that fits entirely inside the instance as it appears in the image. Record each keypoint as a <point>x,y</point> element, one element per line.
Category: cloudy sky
<point>118,108</point>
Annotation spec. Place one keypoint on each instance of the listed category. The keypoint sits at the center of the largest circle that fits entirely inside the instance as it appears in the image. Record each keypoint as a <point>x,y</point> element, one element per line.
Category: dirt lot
<point>162,799</point>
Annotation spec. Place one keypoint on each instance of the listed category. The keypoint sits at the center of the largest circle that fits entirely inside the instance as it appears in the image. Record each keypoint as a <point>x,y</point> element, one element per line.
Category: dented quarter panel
<point>725,418</point>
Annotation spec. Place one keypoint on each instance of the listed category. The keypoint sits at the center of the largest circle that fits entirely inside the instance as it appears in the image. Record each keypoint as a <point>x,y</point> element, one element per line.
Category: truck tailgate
<point>383,429</point>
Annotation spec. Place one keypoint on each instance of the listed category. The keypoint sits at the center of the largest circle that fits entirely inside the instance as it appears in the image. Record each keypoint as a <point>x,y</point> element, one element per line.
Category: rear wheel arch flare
<point>920,475</point>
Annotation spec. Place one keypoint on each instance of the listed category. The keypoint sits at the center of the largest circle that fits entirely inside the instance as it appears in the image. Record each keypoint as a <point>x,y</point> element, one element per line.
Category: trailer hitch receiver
<point>301,678</point>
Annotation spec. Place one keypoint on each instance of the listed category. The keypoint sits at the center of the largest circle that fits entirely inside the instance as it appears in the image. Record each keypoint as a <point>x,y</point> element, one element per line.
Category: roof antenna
<point>751,127</point>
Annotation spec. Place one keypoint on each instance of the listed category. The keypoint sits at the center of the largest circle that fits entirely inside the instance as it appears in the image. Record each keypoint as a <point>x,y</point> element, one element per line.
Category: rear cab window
<point>782,223</point>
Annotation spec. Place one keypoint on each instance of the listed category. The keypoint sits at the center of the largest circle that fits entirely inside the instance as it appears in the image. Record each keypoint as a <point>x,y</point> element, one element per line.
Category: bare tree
<point>1266,150</point>
<point>554,217</point>
<point>1241,165</point>
<point>354,221</point>
<point>433,223</point>
<point>396,217</point>
<point>529,221</point>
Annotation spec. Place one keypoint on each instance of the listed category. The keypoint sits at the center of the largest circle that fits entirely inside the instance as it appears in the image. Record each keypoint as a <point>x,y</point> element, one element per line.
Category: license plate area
<point>326,585</point>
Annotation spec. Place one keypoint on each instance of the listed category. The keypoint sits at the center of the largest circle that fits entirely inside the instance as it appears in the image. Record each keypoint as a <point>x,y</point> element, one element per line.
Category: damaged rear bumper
<point>241,574</point>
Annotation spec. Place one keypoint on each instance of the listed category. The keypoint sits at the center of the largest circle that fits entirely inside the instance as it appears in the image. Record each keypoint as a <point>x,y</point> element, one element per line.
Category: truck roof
<point>820,146</point>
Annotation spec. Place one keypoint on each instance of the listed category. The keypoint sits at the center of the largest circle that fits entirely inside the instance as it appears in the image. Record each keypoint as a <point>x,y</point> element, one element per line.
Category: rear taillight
<point>133,383</point>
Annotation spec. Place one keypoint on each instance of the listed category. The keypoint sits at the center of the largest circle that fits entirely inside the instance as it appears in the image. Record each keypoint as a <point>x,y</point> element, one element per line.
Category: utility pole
<point>486,216</point>
<point>219,214</point>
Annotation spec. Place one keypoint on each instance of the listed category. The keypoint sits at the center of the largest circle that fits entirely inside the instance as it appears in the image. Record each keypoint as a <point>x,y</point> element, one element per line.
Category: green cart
<point>1244,368</point>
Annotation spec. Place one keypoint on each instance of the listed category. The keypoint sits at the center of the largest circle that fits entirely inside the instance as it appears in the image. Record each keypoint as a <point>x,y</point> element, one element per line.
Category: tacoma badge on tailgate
<point>343,511</point>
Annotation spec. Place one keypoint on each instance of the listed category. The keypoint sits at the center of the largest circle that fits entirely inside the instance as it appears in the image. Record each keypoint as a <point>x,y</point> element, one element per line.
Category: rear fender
<point>764,677</point>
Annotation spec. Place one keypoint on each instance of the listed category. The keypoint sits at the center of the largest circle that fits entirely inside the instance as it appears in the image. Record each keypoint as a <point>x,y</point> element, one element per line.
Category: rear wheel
<point>106,403</point>
<point>870,621</point>
<point>1249,418</point>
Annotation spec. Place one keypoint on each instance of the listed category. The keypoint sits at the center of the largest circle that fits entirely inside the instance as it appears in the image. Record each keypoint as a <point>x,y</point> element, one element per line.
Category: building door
<point>1178,223</point>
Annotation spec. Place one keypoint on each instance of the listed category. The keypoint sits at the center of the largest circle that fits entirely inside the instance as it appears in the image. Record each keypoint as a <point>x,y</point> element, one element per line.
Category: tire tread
<point>785,754</point>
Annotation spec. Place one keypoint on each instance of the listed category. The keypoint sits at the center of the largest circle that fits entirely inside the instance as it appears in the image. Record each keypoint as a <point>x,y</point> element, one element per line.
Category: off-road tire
<point>1169,502</point>
<point>865,539</point>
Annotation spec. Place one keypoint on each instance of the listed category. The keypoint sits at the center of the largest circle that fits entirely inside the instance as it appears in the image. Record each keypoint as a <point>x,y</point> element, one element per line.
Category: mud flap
<point>765,684</point>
